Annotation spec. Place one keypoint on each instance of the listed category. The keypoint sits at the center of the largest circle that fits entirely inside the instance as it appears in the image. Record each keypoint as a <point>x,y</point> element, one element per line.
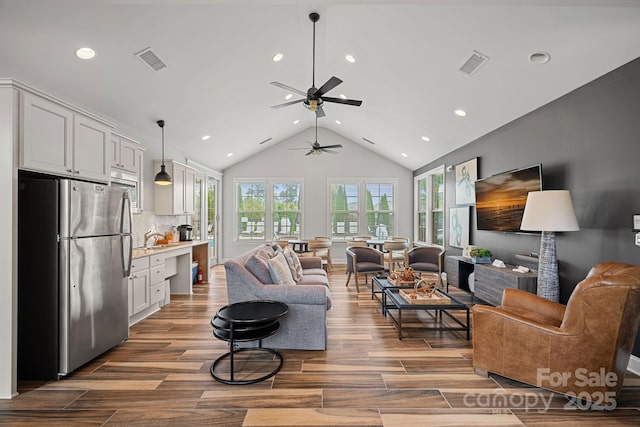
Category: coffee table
<point>247,321</point>
<point>397,302</point>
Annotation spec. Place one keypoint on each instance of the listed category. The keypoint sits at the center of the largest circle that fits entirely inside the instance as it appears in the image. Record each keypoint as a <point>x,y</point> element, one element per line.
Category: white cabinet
<point>59,141</point>
<point>178,198</point>
<point>139,286</point>
<point>124,154</point>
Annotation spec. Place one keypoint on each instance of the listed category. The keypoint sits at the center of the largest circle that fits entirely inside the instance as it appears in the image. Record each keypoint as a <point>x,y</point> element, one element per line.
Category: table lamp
<point>549,211</point>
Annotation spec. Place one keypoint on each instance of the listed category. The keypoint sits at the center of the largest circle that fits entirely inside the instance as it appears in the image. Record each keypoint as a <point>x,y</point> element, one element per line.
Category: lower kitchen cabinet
<point>147,287</point>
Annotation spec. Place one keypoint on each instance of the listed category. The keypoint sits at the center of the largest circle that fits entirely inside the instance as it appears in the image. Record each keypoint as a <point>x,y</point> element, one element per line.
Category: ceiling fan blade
<point>320,112</point>
<point>287,103</point>
<point>331,146</point>
<point>343,101</point>
<point>292,89</point>
<point>330,151</point>
<point>310,152</point>
<point>330,84</point>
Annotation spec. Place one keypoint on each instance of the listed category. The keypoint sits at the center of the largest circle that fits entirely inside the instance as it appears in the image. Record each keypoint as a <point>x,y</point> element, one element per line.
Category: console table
<point>458,269</point>
<point>247,321</point>
<point>490,282</point>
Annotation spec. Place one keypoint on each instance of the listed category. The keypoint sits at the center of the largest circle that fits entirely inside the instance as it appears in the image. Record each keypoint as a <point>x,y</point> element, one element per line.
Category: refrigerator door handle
<point>127,259</point>
<point>126,215</point>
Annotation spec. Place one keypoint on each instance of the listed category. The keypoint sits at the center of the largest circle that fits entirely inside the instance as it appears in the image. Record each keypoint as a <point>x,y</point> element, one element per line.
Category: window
<point>379,209</point>
<point>429,202</point>
<point>286,210</point>
<point>268,209</point>
<point>251,209</point>
<point>349,217</point>
<point>197,217</point>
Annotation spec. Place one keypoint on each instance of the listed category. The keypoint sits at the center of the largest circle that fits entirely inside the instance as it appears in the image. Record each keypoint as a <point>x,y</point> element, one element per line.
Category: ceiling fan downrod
<point>314,18</point>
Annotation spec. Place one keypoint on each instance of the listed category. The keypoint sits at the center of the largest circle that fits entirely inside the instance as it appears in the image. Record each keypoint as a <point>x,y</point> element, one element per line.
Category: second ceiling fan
<point>316,148</point>
<point>314,98</point>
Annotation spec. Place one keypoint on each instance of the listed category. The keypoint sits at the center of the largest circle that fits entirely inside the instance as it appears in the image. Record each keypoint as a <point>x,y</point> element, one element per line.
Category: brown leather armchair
<point>575,349</point>
<point>363,259</point>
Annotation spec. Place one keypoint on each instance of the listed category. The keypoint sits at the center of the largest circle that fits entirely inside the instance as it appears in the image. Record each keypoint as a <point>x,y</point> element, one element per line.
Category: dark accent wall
<point>588,142</point>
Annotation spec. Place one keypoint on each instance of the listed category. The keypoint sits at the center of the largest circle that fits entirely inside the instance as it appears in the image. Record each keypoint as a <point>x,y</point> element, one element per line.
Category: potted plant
<point>480,256</point>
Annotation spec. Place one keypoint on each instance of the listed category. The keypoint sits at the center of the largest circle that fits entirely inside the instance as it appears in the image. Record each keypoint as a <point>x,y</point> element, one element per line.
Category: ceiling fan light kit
<point>314,98</point>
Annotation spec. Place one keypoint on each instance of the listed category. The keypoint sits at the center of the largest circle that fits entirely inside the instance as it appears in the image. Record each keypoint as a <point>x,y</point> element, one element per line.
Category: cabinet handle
<point>69,170</point>
<point>77,172</point>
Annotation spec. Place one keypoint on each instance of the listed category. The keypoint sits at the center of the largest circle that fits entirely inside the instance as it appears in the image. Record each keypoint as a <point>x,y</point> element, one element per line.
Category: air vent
<point>151,59</point>
<point>369,141</point>
<point>265,141</point>
<point>474,62</point>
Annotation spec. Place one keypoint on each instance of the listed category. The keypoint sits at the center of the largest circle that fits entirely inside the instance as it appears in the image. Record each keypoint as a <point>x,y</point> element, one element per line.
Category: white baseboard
<point>634,365</point>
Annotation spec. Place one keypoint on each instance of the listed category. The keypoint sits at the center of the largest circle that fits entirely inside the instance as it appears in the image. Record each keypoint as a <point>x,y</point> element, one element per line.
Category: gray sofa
<point>304,327</point>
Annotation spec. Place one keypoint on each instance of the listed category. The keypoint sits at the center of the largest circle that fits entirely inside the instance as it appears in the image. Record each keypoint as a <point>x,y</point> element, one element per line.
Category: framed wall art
<point>466,176</point>
<point>459,227</point>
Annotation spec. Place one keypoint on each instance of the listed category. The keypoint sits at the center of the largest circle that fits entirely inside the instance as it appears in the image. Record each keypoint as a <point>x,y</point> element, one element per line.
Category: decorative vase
<point>481,260</point>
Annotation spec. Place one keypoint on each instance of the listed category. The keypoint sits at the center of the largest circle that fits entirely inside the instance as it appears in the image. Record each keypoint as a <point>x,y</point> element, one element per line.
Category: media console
<point>489,281</point>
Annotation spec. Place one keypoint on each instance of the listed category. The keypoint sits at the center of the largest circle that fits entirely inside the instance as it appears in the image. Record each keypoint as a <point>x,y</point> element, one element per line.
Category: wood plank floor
<point>367,377</point>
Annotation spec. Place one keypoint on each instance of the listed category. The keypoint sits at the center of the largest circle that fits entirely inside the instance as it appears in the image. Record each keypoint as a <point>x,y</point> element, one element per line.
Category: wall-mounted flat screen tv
<point>501,198</point>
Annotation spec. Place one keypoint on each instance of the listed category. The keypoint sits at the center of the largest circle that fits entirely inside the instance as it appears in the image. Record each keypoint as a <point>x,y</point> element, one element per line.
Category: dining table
<point>376,243</point>
<point>299,245</point>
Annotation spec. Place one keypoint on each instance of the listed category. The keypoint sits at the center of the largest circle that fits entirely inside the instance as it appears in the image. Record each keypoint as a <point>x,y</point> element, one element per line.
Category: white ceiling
<point>218,56</point>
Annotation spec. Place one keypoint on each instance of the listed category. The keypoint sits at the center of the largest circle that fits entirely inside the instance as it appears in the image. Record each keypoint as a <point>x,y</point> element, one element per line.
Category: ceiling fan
<point>314,98</point>
<point>316,148</point>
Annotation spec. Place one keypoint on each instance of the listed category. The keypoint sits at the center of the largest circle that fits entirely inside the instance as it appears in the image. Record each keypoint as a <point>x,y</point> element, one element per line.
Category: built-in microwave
<point>129,183</point>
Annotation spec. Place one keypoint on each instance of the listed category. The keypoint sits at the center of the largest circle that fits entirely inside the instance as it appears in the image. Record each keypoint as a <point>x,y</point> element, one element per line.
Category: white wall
<point>278,161</point>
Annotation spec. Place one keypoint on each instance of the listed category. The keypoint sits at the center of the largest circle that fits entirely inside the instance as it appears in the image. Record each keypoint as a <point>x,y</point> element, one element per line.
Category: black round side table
<point>246,321</point>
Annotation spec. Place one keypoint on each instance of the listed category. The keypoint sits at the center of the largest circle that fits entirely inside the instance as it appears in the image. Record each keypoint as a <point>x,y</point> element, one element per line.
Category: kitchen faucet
<point>148,235</point>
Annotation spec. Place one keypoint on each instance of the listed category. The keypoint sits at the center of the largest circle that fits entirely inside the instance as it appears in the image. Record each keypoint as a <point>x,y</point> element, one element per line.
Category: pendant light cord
<point>162,145</point>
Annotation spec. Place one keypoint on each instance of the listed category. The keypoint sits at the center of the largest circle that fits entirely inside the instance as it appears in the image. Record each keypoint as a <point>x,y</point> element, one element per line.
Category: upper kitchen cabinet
<point>178,198</point>
<point>57,140</point>
<point>124,153</point>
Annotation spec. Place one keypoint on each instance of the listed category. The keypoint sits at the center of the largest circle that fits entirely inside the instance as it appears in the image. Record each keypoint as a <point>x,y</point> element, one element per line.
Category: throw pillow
<point>259,268</point>
<point>279,270</point>
<point>294,264</point>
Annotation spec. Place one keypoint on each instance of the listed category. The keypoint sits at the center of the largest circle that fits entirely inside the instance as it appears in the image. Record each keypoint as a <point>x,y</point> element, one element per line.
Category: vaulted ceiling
<point>218,57</point>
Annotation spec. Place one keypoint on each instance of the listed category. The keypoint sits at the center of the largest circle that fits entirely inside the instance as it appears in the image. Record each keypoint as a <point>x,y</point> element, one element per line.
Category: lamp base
<point>548,282</point>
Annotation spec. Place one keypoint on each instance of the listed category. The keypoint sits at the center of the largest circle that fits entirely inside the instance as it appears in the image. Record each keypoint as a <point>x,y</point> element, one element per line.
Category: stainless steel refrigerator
<point>74,254</point>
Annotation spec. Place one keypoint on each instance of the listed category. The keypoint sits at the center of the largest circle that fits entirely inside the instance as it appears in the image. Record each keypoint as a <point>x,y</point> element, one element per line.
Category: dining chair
<point>395,252</point>
<point>282,243</point>
<point>322,249</point>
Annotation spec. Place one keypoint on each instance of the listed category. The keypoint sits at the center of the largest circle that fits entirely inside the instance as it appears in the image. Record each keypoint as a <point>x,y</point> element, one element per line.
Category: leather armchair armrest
<point>497,311</point>
<point>528,301</point>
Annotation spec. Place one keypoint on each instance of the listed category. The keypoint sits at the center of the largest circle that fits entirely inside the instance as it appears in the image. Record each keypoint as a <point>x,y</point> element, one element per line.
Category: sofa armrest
<point>527,301</point>
<point>293,294</point>
<point>497,312</point>
<point>309,262</point>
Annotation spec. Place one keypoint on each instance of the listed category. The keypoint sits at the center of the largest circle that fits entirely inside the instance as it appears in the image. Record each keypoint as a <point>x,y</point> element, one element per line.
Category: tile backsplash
<point>145,221</point>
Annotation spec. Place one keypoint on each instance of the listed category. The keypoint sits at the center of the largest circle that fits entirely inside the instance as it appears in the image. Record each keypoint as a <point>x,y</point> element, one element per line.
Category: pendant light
<point>162,177</point>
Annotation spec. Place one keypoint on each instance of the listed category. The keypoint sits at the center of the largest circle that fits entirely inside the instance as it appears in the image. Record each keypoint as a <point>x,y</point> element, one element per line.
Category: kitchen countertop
<point>141,252</point>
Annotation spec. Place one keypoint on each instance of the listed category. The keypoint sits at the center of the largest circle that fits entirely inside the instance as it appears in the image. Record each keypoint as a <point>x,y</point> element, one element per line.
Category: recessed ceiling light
<point>539,58</point>
<point>460,113</point>
<point>295,122</point>
<point>278,57</point>
<point>204,138</point>
<point>425,138</point>
<point>229,154</point>
<point>350,58</point>
<point>338,122</point>
<point>343,96</point>
<point>85,53</point>
<point>404,154</point>
<point>289,96</point>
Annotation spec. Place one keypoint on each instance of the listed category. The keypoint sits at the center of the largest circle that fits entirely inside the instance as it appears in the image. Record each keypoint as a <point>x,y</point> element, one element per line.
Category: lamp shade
<point>550,210</point>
